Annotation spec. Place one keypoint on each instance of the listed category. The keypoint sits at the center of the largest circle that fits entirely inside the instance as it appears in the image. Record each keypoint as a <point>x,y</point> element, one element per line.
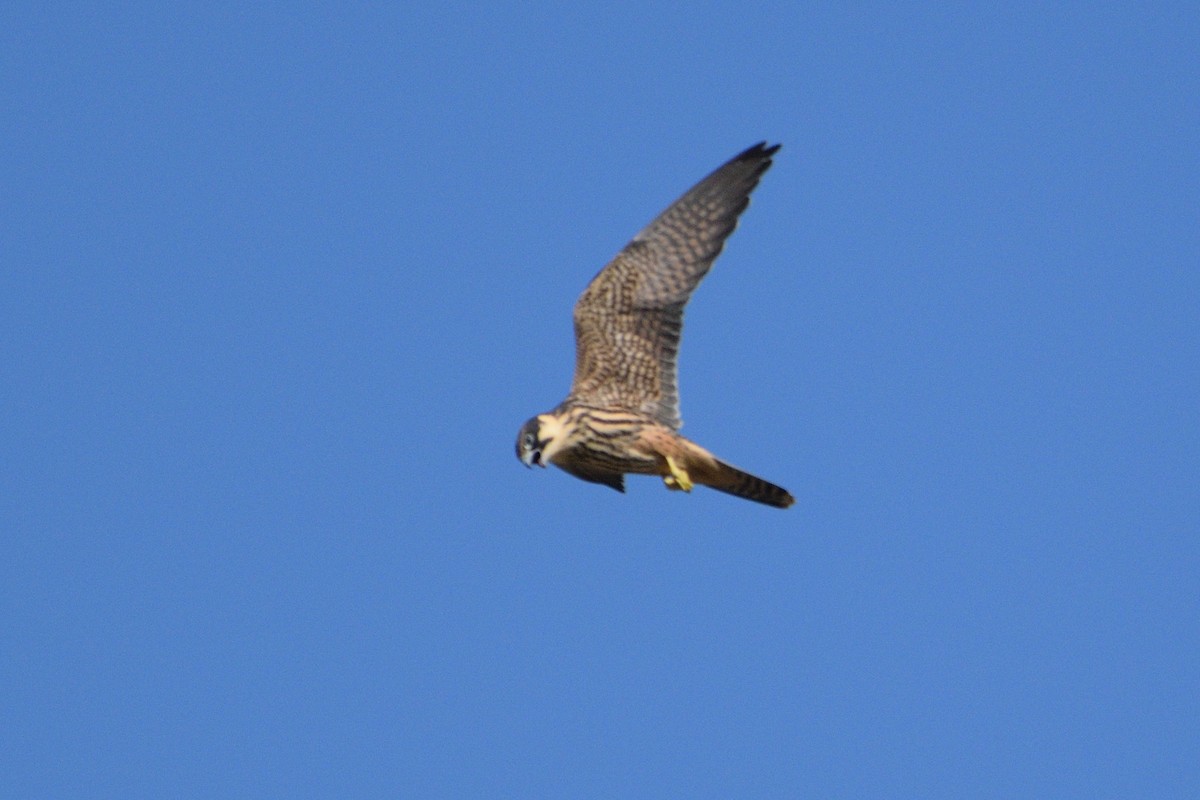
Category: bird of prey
<point>622,415</point>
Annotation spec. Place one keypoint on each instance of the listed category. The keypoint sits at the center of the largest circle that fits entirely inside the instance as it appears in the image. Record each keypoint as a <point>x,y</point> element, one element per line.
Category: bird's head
<point>543,438</point>
<point>530,443</point>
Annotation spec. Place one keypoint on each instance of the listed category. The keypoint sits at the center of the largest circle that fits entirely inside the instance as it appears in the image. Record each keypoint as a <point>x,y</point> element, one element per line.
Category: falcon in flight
<point>622,415</point>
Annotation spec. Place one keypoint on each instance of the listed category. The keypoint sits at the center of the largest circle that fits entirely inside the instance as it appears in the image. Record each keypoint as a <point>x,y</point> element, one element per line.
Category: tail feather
<point>732,480</point>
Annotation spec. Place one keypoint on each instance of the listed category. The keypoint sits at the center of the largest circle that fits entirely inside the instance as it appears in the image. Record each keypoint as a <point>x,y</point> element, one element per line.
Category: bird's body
<point>622,415</point>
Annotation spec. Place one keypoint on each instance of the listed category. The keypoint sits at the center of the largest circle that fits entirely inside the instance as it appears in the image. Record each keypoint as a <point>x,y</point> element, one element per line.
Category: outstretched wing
<point>628,320</point>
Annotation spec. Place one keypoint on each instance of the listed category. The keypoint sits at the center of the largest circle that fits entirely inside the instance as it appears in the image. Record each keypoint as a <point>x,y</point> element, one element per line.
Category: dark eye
<point>529,440</point>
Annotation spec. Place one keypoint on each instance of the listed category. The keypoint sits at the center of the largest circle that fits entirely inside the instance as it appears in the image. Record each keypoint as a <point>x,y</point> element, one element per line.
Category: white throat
<point>552,430</point>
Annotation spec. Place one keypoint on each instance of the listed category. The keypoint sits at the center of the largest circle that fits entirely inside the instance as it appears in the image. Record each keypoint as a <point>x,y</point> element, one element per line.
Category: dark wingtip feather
<point>760,150</point>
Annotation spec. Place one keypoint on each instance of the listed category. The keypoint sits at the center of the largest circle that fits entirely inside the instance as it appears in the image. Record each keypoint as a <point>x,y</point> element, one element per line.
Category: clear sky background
<point>278,285</point>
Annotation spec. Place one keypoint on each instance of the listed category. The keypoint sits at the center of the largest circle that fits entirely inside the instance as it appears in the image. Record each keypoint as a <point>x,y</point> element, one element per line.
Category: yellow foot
<point>678,480</point>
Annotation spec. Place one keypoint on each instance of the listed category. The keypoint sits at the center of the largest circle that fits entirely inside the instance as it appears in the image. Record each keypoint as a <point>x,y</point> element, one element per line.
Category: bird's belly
<point>609,457</point>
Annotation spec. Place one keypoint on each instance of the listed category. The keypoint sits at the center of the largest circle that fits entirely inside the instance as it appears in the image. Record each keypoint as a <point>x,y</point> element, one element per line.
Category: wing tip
<point>757,151</point>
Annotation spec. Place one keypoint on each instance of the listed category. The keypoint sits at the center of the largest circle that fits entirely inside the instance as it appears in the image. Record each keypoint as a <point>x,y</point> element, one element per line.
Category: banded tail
<point>732,480</point>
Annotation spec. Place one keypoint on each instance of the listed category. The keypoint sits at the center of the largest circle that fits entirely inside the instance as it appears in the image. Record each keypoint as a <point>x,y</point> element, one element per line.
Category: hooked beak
<point>532,457</point>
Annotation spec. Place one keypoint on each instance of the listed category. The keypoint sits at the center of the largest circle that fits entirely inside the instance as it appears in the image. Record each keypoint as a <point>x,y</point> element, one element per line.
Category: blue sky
<point>279,284</point>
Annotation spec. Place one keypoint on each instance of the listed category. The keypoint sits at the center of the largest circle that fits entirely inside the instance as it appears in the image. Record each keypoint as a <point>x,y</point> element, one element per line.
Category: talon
<point>678,480</point>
